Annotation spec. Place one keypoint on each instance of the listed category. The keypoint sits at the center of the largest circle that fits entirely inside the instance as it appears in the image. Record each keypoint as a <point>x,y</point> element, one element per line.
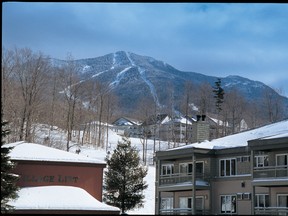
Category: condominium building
<point>244,174</point>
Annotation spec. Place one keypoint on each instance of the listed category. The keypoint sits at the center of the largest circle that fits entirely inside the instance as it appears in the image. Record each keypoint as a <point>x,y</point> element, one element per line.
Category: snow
<point>58,198</point>
<point>119,77</point>
<point>144,78</point>
<point>36,152</point>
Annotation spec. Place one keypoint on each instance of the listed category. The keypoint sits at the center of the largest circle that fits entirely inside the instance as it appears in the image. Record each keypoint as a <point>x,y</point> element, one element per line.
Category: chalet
<point>127,126</point>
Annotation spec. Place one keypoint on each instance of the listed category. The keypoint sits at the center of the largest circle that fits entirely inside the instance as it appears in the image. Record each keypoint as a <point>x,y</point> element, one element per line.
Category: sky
<point>217,39</point>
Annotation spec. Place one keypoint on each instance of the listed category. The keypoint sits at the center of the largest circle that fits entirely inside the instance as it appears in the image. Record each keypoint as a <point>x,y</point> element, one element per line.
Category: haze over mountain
<point>133,77</point>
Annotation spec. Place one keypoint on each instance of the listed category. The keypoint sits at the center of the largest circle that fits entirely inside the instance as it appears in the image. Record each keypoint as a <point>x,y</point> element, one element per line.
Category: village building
<point>127,126</point>
<point>240,174</point>
<point>56,181</point>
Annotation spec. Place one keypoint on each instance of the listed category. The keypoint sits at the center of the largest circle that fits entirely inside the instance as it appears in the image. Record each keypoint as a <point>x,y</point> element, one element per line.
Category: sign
<point>50,178</point>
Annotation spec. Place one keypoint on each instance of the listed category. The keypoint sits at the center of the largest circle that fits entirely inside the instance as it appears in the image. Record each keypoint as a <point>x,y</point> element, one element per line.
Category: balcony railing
<point>182,211</point>
<point>271,172</point>
<point>181,178</point>
<point>271,211</point>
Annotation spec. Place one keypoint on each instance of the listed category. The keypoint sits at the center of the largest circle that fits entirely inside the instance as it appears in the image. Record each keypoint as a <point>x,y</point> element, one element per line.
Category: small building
<point>46,171</point>
<point>127,126</point>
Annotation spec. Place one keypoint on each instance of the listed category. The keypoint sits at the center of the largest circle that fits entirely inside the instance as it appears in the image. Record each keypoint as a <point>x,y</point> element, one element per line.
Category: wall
<point>86,176</point>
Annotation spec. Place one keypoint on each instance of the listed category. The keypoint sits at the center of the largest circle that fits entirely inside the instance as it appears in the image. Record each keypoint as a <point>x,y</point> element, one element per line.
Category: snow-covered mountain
<point>133,76</point>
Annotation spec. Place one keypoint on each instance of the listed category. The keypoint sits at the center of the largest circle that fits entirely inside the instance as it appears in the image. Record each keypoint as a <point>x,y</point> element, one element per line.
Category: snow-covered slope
<point>132,76</point>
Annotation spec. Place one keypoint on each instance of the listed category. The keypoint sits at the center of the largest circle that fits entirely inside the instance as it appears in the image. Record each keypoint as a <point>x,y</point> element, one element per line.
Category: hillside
<point>132,77</point>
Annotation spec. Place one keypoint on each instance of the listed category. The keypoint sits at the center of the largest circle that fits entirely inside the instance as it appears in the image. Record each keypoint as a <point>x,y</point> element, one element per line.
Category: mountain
<point>133,76</point>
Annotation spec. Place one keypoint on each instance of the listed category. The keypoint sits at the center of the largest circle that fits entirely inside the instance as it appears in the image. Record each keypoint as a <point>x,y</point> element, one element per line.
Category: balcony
<point>179,178</point>
<point>271,172</point>
<point>271,211</point>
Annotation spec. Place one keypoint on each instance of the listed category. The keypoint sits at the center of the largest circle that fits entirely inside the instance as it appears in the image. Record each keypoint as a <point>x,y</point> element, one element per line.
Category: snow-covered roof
<point>57,198</point>
<point>36,152</point>
<point>276,130</point>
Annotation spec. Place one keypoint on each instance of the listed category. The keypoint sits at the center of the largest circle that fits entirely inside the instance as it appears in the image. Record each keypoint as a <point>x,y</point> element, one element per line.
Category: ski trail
<point>145,79</point>
<point>114,60</point>
<point>119,77</point>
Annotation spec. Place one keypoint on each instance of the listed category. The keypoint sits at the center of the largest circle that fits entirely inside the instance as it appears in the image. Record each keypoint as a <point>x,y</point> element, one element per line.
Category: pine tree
<point>8,179</point>
<point>124,179</point>
<point>219,94</point>
<point>219,98</point>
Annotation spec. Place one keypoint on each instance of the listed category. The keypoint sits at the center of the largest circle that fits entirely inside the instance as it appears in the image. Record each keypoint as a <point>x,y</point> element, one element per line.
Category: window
<point>167,169</point>
<point>261,161</point>
<point>185,202</point>
<point>167,203</point>
<point>261,200</point>
<point>228,167</point>
<point>245,158</point>
<point>282,200</point>
<point>228,204</point>
<point>187,168</point>
<point>281,159</point>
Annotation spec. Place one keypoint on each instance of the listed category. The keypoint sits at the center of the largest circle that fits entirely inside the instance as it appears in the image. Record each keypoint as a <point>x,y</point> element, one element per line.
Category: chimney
<point>203,117</point>
<point>200,129</point>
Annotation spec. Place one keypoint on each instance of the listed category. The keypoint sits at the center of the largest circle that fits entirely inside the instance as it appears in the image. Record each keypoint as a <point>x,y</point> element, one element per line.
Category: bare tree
<point>273,104</point>
<point>31,71</point>
<point>71,84</point>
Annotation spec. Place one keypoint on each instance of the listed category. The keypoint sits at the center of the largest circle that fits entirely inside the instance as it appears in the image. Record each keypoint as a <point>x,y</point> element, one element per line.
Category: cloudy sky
<point>218,39</point>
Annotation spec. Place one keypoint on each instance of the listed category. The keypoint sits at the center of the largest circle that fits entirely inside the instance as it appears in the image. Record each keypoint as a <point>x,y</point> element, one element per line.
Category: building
<point>244,173</point>
<point>169,128</point>
<point>127,126</point>
<point>47,172</point>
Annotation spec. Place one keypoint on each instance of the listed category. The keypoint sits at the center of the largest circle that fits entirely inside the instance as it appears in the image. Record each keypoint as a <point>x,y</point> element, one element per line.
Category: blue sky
<point>217,39</point>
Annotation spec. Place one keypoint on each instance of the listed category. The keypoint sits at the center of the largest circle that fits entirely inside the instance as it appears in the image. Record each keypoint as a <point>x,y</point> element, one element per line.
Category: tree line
<point>36,91</point>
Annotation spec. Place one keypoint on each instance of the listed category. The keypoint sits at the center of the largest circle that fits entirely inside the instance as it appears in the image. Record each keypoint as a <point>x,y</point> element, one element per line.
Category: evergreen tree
<point>8,179</point>
<point>124,179</point>
<point>219,98</point>
<point>219,94</point>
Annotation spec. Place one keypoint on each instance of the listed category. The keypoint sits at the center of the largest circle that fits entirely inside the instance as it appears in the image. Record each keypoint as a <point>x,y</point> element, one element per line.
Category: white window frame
<point>279,195</point>
<point>260,163</point>
<point>167,200</point>
<point>230,164</point>
<point>187,167</point>
<point>188,201</point>
<point>279,155</point>
<point>171,169</point>
<point>231,204</point>
<point>257,200</point>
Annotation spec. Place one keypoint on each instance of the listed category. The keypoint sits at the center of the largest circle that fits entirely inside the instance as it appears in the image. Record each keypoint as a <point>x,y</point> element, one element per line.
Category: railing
<point>182,211</point>
<point>271,172</point>
<point>271,211</point>
<point>180,178</point>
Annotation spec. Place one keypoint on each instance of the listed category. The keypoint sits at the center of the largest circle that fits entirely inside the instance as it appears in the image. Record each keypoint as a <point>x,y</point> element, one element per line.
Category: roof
<point>58,198</point>
<point>36,152</point>
<point>279,129</point>
<point>124,121</point>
